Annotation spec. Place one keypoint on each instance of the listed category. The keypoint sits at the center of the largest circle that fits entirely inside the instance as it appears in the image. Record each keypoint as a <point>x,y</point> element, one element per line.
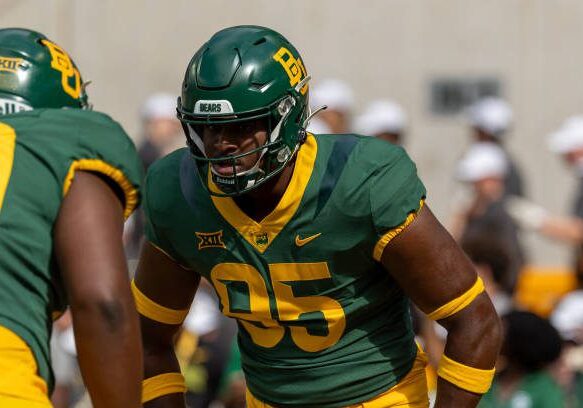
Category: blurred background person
<point>203,347</point>
<point>384,119</point>
<point>161,131</point>
<point>484,168</point>
<point>161,134</point>
<point>531,344</point>
<point>492,262</point>
<point>567,142</point>
<point>233,386</point>
<point>567,318</point>
<point>338,98</point>
<point>69,386</point>
<point>490,119</point>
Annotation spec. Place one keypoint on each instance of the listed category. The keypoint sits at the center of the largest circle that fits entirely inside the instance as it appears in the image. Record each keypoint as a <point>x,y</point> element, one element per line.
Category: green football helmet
<point>36,73</point>
<point>244,73</point>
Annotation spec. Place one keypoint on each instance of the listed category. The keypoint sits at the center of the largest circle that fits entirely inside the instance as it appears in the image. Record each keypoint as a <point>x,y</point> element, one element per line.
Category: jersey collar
<point>261,234</point>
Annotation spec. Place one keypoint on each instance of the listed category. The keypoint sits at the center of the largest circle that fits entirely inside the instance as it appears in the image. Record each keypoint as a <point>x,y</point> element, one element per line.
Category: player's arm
<point>439,278</point>
<point>89,251</point>
<point>164,291</point>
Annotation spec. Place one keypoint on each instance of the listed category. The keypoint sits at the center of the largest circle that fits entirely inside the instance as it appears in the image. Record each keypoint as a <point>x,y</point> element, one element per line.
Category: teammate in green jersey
<point>315,244</point>
<point>68,176</point>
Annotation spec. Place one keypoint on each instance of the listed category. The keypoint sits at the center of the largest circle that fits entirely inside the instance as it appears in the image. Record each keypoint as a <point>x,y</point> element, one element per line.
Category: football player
<point>68,177</point>
<point>316,244</point>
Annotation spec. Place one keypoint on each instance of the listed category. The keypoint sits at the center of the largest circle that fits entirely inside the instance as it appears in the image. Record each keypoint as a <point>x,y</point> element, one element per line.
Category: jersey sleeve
<point>396,195</point>
<point>157,206</point>
<point>71,140</point>
<point>103,147</point>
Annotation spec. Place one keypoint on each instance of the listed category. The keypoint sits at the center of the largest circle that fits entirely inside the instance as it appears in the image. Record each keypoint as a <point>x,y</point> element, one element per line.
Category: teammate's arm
<point>89,251</point>
<point>433,271</point>
<point>166,290</point>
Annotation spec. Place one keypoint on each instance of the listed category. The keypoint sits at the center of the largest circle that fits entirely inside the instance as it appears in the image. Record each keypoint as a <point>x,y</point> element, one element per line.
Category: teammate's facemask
<point>245,73</point>
<point>36,73</point>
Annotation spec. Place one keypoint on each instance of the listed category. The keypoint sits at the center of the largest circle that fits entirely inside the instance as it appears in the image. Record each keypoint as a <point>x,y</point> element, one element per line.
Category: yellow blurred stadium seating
<point>540,288</point>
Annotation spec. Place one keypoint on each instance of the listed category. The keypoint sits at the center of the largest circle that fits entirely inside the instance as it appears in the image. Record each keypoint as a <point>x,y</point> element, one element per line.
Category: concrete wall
<point>393,48</point>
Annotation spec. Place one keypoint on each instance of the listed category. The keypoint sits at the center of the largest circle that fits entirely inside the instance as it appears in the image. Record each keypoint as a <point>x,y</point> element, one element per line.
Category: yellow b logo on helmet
<point>293,67</point>
<point>61,62</point>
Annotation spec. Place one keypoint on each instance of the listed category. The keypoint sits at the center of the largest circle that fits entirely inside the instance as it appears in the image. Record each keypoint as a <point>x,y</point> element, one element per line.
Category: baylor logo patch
<point>210,239</point>
<point>261,239</point>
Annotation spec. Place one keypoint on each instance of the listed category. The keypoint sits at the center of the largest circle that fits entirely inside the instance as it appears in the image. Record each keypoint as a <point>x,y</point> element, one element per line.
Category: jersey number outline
<point>7,147</point>
<point>263,328</point>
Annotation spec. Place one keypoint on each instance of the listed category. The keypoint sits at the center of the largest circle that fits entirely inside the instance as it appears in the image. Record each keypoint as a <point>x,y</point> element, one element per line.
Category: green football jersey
<point>40,151</point>
<point>321,323</point>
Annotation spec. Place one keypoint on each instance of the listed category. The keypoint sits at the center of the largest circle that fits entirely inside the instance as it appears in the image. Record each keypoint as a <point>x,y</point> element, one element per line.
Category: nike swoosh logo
<point>303,241</point>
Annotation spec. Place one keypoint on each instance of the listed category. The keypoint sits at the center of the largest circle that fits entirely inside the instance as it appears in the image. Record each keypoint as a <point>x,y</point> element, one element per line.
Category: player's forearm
<point>474,337</point>
<point>161,359</point>
<point>448,395</point>
<point>110,354</point>
<point>569,230</point>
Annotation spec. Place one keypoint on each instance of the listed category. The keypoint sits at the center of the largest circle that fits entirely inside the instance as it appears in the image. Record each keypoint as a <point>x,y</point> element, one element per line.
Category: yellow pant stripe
<point>163,384</point>
<point>459,303</point>
<point>410,392</point>
<point>385,239</point>
<point>20,385</point>
<point>467,378</point>
<point>154,311</point>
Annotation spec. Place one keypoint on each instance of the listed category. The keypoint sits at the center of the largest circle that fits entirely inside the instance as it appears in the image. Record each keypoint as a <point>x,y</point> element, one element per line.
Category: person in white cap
<point>384,119</point>
<point>490,119</point>
<point>568,315</point>
<point>162,132</point>
<point>567,318</point>
<point>338,98</point>
<point>484,167</point>
<point>567,141</point>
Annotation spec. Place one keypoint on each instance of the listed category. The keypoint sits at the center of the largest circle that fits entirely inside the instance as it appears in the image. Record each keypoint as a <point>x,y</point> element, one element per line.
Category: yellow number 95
<point>264,330</point>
